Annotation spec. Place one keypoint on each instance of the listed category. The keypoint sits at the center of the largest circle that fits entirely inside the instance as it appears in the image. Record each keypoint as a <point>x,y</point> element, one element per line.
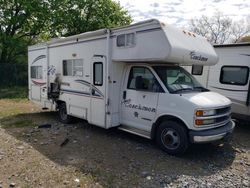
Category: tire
<point>63,116</point>
<point>172,137</point>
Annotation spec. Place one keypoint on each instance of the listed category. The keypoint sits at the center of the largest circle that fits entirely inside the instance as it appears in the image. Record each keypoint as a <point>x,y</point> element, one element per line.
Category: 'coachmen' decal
<point>139,106</point>
<point>38,58</point>
<point>198,57</point>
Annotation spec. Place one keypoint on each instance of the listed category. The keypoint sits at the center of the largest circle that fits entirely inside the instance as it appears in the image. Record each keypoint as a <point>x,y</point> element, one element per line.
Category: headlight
<point>204,121</point>
<point>200,113</point>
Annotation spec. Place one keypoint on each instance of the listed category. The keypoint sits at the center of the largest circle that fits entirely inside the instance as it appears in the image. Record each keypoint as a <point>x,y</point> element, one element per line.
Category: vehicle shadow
<point>116,158</point>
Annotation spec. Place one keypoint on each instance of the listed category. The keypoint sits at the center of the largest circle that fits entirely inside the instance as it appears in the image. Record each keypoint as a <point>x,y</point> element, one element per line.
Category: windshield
<point>178,80</point>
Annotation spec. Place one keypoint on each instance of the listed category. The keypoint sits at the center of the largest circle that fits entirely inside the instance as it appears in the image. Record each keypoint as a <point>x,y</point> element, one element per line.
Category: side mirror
<point>139,82</point>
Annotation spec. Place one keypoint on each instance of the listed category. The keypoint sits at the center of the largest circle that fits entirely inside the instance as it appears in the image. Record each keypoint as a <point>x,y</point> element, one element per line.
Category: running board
<point>135,131</point>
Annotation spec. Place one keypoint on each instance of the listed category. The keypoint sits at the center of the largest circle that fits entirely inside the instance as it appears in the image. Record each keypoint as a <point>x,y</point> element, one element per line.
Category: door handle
<point>124,95</point>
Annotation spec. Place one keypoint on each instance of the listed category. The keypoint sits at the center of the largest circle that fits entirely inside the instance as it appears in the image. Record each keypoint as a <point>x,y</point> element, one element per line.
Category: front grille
<point>222,119</point>
<point>222,116</point>
<point>223,110</point>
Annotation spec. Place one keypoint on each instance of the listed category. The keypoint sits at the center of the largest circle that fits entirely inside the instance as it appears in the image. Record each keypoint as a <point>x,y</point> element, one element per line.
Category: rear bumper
<point>211,135</point>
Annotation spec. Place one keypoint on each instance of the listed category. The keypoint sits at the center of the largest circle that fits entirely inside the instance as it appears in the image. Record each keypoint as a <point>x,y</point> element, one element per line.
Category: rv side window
<point>146,80</point>
<point>125,40</point>
<point>197,69</point>
<point>234,75</point>
<point>37,72</point>
<point>98,73</point>
<point>73,67</point>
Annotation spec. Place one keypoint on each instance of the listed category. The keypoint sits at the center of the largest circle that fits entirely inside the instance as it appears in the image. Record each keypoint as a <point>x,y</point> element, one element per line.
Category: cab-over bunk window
<point>125,40</point>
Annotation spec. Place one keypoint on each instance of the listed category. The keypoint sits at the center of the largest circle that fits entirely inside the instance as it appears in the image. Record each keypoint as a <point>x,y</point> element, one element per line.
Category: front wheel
<point>172,137</point>
<point>63,116</point>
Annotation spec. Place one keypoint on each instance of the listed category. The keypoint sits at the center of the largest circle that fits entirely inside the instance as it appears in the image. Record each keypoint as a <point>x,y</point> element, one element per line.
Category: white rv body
<point>233,65</point>
<point>93,73</point>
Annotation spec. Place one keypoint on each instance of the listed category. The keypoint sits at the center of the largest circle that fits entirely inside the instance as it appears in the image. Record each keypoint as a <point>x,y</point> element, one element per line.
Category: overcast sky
<point>179,12</point>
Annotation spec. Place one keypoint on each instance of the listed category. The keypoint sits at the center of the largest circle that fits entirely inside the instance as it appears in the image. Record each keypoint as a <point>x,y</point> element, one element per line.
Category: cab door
<point>140,98</point>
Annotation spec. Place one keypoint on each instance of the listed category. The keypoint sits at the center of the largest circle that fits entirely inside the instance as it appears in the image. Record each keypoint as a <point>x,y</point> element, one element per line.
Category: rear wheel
<point>172,137</point>
<point>63,116</point>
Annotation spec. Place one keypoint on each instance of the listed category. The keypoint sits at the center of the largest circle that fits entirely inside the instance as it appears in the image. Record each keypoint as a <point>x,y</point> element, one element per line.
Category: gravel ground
<point>82,155</point>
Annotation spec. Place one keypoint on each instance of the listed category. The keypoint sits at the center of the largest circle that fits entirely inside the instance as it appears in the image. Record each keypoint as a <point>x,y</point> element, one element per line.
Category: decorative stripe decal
<point>229,89</point>
<point>245,54</point>
<point>38,58</point>
<point>38,83</point>
<point>97,91</point>
<point>86,94</point>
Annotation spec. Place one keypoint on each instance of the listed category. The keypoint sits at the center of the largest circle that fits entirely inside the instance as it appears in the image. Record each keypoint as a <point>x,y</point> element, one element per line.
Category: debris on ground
<point>44,126</point>
<point>64,142</point>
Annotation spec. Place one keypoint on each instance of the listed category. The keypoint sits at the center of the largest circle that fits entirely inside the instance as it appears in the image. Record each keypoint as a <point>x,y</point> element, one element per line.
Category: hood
<point>207,99</point>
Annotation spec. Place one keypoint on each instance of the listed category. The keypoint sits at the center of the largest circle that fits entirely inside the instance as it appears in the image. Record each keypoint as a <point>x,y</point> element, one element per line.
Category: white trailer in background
<point>229,77</point>
<point>130,78</point>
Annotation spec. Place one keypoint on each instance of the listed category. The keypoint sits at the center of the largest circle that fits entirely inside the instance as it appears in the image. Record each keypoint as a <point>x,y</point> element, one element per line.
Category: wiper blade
<point>201,88</point>
<point>183,89</point>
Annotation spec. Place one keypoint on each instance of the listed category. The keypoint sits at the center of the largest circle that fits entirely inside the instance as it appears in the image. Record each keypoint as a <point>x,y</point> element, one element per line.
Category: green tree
<point>20,22</point>
<point>219,28</point>
<point>77,16</point>
<point>23,22</point>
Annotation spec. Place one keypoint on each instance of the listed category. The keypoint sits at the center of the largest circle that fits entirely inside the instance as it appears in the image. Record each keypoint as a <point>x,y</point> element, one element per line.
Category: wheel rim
<point>63,113</point>
<point>170,138</point>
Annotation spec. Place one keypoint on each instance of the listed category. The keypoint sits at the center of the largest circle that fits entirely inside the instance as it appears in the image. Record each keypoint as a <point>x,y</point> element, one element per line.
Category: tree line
<point>220,29</point>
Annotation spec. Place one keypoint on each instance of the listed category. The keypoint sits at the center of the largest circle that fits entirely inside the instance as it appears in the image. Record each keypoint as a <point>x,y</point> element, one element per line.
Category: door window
<point>98,73</point>
<point>147,79</point>
<point>234,75</point>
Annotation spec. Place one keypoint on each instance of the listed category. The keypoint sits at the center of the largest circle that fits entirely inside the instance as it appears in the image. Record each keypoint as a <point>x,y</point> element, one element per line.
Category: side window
<point>98,73</point>
<point>197,69</point>
<point>234,75</point>
<point>73,67</point>
<point>125,40</point>
<point>147,79</point>
<point>36,72</point>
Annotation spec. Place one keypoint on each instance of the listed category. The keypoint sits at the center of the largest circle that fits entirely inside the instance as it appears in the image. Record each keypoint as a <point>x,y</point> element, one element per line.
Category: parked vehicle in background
<point>229,77</point>
<point>130,78</point>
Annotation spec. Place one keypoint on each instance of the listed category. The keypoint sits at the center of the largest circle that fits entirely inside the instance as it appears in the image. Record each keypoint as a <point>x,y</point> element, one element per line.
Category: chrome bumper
<point>211,135</point>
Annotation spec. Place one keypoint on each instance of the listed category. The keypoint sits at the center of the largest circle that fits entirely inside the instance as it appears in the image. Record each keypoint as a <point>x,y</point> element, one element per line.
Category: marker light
<point>200,113</point>
<point>200,122</point>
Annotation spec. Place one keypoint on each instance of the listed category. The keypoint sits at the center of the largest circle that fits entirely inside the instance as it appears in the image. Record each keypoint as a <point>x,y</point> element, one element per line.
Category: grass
<point>16,121</point>
<point>15,92</point>
<point>15,107</point>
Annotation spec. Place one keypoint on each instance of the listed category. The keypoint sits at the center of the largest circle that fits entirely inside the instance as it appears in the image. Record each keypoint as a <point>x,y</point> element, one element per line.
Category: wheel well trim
<point>160,118</point>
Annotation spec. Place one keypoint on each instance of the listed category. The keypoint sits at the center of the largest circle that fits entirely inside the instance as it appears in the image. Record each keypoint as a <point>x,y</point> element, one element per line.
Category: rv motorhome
<point>229,77</point>
<point>130,77</point>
